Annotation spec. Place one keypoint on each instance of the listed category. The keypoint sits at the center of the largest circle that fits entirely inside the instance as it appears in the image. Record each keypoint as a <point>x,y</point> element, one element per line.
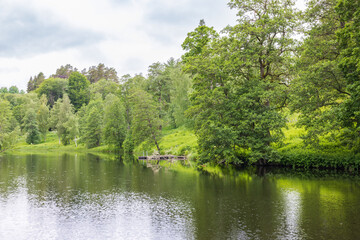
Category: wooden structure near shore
<point>162,158</point>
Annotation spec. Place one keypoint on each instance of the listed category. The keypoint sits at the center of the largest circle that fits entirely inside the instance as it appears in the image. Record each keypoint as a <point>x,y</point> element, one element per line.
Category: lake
<point>79,196</point>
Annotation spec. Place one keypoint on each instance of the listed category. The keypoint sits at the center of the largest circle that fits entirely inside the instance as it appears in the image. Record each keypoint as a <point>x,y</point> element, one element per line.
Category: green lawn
<point>52,145</point>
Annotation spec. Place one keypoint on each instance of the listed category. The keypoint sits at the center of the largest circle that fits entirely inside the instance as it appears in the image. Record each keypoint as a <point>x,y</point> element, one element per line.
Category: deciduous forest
<point>282,86</point>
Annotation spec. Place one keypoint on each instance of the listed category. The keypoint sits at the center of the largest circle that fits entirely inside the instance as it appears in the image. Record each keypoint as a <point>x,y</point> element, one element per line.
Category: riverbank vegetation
<point>280,87</point>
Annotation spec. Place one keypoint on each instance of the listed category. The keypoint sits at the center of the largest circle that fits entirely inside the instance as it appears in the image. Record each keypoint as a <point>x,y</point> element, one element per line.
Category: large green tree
<point>9,130</point>
<point>92,122</point>
<point>78,90</point>
<point>159,87</point>
<point>104,87</point>
<point>349,40</point>
<point>114,121</point>
<point>128,86</point>
<point>319,89</point>
<point>53,89</point>
<point>42,116</point>
<point>240,80</point>
<point>64,120</point>
<point>146,123</point>
<point>180,87</point>
<point>33,135</point>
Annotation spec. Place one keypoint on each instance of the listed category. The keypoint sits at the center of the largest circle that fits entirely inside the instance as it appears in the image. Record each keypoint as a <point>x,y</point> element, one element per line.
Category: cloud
<point>170,21</point>
<point>129,35</point>
<point>25,33</point>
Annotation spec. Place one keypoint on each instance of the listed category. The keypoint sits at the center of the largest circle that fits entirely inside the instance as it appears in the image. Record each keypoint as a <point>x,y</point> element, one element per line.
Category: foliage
<point>159,86</point>
<point>42,116</point>
<point>53,89</point>
<point>233,87</point>
<point>145,119</point>
<point>128,85</point>
<point>104,87</point>
<point>31,127</point>
<point>64,120</point>
<point>13,89</point>
<point>35,82</point>
<point>349,40</point>
<point>92,131</point>
<point>78,90</point>
<point>240,79</point>
<point>128,146</point>
<point>9,129</point>
<point>179,98</point>
<point>114,121</point>
<point>319,88</point>
<point>96,73</point>
<point>64,71</point>
<point>4,90</point>
<point>316,159</point>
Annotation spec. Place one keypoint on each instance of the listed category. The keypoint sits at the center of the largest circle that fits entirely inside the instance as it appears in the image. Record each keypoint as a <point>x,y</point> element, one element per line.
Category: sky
<point>128,35</point>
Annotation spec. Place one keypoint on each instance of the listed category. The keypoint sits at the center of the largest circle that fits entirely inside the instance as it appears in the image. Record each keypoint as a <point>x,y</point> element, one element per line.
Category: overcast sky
<point>41,35</point>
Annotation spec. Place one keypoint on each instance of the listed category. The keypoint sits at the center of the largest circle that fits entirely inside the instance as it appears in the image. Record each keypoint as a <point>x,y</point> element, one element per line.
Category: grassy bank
<point>52,145</point>
<point>182,141</point>
<point>294,153</point>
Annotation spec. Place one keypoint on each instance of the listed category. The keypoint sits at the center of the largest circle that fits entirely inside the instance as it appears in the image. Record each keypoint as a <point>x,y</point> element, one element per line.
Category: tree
<point>349,40</point>
<point>128,86</point>
<point>240,80</point>
<point>35,82</point>
<point>63,119</point>
<point>197,40</point>
<point>64,71</point>
<point>145,119</point>
<point>72,129</point>
<point>179,94</point>
<point>93,123</point>
<point>31,127</point>
<point>42,117</point>
<point>128,146</point>
<point>159,87</point>
<point>53,89</point>
<point>13,89</point>
<point>78,90</point>
<point>104,87</point>
<point>30,85</point>
<point>96,73</point>
<point>9,130</point>
<point>20,104</point>
<point>4,90</point>
<point>319,88</point>
<point>114,121</point>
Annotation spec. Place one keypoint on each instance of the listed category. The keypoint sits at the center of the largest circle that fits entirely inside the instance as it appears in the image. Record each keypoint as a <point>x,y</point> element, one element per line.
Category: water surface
<point>88,197</point>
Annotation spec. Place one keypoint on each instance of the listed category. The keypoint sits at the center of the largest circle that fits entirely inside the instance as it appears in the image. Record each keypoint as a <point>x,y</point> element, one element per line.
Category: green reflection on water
<point>223,203</point>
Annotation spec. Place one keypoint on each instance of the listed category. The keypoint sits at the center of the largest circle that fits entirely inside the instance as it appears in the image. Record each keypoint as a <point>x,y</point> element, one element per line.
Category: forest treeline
<point>235,88</point>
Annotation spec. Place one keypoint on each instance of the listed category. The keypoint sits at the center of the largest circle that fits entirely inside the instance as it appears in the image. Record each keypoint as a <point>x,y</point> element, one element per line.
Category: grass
<point>180,141</point>
<point>52,145</point>
<point>329,154</point>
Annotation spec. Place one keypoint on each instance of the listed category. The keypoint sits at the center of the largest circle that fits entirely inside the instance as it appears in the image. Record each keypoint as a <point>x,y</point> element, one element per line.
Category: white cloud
<point>129,35</point>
